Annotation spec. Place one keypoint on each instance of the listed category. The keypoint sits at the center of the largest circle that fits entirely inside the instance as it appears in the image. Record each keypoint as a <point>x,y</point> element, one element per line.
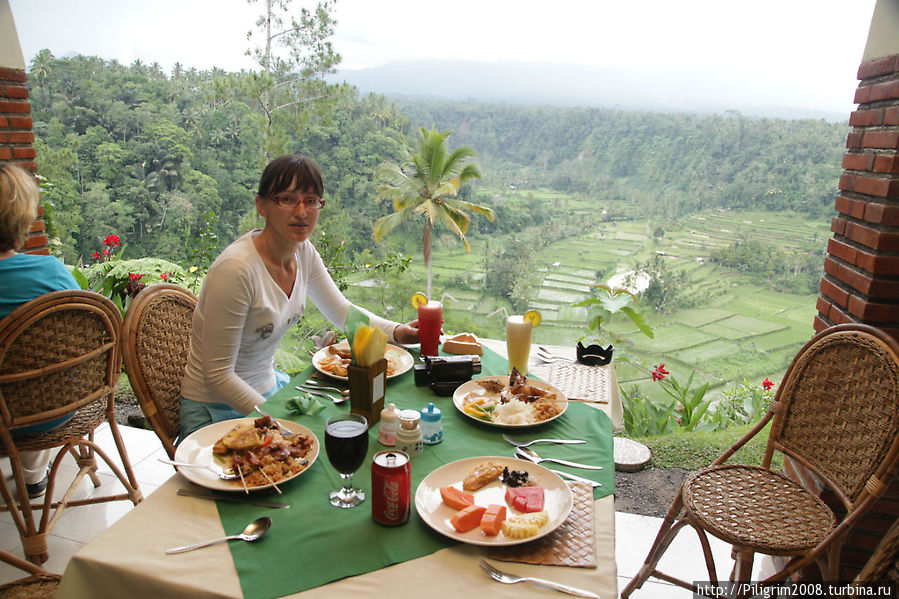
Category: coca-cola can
<point>391,487</point>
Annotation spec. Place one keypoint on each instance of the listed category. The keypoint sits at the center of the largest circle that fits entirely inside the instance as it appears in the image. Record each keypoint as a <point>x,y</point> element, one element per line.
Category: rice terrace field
<point>733,330</point>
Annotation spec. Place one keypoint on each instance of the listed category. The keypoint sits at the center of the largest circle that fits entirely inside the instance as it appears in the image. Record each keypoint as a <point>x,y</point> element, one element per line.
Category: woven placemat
<point>572,544</point>
<point>579,381</point>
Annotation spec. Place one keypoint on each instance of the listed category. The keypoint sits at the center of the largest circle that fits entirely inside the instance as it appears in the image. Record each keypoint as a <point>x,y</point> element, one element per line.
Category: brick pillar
<point>861,269</point>
<point>17,142</point>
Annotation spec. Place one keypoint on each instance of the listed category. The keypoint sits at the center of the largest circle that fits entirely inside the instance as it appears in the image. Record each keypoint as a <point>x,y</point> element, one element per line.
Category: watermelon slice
<point>525,499</point>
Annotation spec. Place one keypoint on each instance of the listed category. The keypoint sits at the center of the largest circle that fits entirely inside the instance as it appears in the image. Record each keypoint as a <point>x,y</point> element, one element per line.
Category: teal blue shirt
<point>24,277</point>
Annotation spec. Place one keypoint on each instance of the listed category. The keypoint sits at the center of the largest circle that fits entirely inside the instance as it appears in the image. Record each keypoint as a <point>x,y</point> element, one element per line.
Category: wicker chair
<point>156,341</point>
<point>38,585</point>
<point>60,356</point>
<point>836,412</point>
<point>883,566</point>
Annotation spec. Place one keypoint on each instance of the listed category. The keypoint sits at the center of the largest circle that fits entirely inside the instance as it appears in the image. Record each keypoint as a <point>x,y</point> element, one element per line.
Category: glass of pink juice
<point>430,317</point>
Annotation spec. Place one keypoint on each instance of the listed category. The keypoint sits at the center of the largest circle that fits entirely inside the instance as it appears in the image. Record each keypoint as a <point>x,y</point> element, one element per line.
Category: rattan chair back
<point>60,356</point>
<point>883,565</point>
<point>156,343</point>
<point>837,409</point>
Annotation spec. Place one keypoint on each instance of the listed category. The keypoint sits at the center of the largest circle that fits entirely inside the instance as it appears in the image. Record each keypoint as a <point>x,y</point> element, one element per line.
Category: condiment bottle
<point>408,436</point>
<point>387,427</point>
<point>431,426</point>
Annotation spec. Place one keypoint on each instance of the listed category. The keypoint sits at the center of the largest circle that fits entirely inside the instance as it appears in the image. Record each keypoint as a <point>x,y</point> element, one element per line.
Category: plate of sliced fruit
<point>493,501</point>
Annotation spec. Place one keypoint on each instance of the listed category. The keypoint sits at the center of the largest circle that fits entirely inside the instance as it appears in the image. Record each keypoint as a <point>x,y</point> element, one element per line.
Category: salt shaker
<point>408,436</point>
<point>431,426</point>
<point>388,425</point>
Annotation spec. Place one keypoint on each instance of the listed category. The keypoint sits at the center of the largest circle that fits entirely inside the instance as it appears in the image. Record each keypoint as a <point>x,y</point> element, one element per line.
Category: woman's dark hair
<point>281,173</point>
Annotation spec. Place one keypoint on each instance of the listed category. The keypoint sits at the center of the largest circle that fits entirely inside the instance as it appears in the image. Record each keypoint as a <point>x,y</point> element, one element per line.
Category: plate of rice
<point>265,458</point>
<point>492,400</point>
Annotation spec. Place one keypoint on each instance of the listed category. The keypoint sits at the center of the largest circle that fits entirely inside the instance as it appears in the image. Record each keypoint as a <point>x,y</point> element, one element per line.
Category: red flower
<point>111,240</point>
<point>105,251</point>
<point>95,255</point>
<point>767,384</point>
<point>134,277</point>
<point>164,276</point>
<point>659,372</point>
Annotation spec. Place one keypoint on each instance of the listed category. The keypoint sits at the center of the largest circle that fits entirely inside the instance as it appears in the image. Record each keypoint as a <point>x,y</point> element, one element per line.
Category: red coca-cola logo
<point>392,497</point>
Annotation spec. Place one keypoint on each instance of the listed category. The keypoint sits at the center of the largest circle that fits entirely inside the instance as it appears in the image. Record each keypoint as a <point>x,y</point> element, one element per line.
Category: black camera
<point>445,373</point>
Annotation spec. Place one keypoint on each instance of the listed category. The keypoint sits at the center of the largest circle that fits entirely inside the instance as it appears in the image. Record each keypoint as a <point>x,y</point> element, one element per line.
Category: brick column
<point>17,142</point>
<point>861,280</point>
<point>861,269</point>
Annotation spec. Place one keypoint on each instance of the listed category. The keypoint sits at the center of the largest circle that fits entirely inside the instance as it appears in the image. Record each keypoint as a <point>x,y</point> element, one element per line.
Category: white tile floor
<point>78,526</point>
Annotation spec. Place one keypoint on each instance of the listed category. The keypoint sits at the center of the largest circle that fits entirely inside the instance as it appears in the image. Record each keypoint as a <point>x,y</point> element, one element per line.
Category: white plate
<point>197,449</point>
<point>557,498</point>
<point>473,386</point>
<point>400,358</point>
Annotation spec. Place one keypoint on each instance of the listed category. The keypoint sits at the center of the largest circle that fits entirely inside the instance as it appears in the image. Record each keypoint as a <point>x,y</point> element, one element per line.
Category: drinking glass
<point>430,317</point>
<point>346,442</point>
<point>518,343</point>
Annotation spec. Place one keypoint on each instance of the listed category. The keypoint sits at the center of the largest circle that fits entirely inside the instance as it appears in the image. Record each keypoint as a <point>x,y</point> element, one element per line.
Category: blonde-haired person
<point>24,277</point>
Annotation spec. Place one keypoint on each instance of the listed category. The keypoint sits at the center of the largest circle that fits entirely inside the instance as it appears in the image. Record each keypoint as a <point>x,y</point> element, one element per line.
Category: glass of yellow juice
<point>518,343</point>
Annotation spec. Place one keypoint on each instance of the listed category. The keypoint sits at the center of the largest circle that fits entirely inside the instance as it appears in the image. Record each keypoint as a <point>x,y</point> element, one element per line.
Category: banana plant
<point>607,301</point>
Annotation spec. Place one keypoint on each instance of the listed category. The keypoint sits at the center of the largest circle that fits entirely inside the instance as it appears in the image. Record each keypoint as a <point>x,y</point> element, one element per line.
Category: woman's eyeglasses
<point>290,201</point>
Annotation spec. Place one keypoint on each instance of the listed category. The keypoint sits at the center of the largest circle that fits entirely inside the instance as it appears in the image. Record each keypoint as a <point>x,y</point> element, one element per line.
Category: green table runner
<point>314,543</point>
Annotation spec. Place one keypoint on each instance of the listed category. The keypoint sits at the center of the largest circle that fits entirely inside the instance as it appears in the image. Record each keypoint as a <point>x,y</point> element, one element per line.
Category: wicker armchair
<point>883,565</point>
<point>59,356</point>
<point>38,585</point>
<point>837,413</point>
<point>156,342</point>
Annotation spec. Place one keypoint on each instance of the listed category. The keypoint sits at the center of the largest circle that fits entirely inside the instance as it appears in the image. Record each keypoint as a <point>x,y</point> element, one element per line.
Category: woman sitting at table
<point>254,292</point>
<point>24,277</point>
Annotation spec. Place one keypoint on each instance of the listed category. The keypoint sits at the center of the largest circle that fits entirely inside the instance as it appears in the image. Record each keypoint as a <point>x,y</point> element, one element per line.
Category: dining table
<point>316,550</point>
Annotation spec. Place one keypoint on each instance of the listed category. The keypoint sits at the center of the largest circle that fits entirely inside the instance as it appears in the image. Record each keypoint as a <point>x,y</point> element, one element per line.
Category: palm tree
<point>427,184</point>
<point>41,66</point>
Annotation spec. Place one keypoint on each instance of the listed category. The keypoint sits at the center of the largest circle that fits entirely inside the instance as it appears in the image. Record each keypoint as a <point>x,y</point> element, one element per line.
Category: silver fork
<point>285,432</point>
<point>511,579</point>
<point>526,443</point>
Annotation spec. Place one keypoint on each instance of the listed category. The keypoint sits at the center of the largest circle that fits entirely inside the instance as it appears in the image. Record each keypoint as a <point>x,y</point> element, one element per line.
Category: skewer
<point>242,481</point>
<point>271,482</point>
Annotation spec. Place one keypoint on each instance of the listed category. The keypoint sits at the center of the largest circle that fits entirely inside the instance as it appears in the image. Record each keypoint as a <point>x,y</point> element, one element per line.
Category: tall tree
<point>295,55</point>
<point>427,185</point>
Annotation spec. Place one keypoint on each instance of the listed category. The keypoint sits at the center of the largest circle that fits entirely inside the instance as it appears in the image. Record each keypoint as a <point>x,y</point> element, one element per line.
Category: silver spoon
<point>222,474</point>
<point>253,532</point>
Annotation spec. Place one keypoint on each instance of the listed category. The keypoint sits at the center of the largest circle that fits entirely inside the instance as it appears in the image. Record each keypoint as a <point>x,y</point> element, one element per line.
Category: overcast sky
<point>808,49</point>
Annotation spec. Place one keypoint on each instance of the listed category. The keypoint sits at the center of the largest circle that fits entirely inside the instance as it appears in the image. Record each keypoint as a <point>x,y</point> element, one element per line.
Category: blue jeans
<point>197,414</point>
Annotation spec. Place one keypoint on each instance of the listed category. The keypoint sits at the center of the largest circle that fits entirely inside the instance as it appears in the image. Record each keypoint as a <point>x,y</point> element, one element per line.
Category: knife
<point>592,483</point>
<point>231,498</point>
<point>532,456</point>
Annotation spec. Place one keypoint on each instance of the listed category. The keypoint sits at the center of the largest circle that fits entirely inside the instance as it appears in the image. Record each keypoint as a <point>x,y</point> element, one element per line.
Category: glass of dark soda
<point>346,442</point>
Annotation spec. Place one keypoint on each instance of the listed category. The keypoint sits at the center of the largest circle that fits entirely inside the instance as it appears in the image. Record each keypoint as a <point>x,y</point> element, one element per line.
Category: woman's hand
<point>406,333</point>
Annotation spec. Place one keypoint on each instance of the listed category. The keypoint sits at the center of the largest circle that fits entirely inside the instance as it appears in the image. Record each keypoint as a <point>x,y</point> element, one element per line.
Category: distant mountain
<point>626,88</point>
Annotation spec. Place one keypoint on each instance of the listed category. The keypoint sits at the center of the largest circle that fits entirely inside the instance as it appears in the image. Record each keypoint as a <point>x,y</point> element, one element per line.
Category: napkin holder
<point>594,355</point>
<point>367,389</point>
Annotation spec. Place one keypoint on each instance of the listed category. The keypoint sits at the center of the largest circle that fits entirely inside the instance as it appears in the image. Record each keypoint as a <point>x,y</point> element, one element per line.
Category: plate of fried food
<point>493,501</point>
<point>252,448</point>
<point>333,360</point>
<point>512,401</point>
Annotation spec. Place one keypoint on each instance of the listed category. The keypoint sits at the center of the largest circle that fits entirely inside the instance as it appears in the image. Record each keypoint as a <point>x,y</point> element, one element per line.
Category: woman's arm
<point>225,302</point>
<point>335,306</point>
